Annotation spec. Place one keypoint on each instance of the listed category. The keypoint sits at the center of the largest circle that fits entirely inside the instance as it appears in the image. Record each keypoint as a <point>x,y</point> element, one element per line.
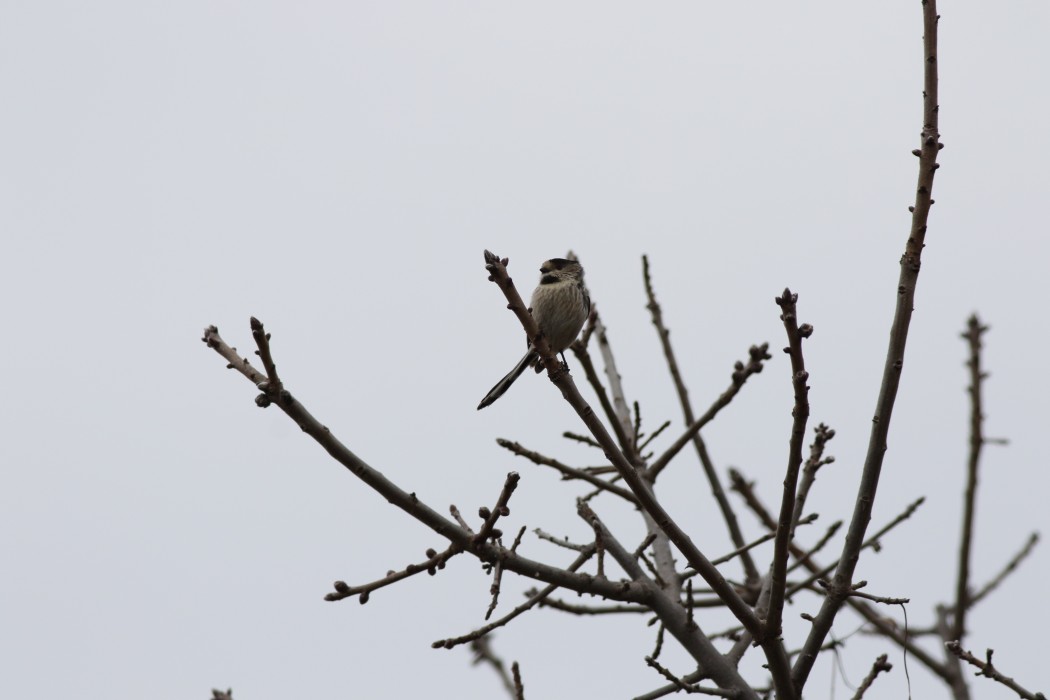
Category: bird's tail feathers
<point>504,384</point>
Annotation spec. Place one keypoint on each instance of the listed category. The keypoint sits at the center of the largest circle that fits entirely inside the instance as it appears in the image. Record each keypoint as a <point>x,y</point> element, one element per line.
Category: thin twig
<point>808,554</point>
<point>567,471</point>
<point>816,460</point>
<point>500,509</point>
<point>751,545</point>
<point>857,593</point>
<point>688,687</point>
<point>872,541</point>
<point>434,562</point>
<point>560,541</point>
<point>577,609</point>
<point>483,654</point>
<point>454,511</point>
<point>494,589</point>
<point>640,551</point>
<point>586,440</point>
<point>881,665</point>
<point>536,598</point>
<point>987,588</point>
<point>757,354</point>
<point>519,686</point>
<point>262,340</point>
<point>655,434</point>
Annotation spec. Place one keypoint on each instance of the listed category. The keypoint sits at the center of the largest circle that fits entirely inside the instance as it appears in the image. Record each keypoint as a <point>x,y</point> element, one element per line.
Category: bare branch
<point>262,340</point>
<point>519,687</point>
<point>483,654</point>
<point>972,335</point>
<point>751,545</point>
<point>985,668</point>
<point>816,460</point>
<point>655,434</point>
<point>410,503</point>
<point>640,551</point>
<point>800,415</point>
<point>535,598</point>
<point>987,588</point>
<point>757,355</point>
<point>454,511</point>
<point>567,471</point>
<point>577,609</point>
<point>909,276</point>
<point>589,441</point>
<point>619,398</point>
<point>857,593</point>
<point>682,684</point>
<point>807,556</point>
<point>494,589</point>
<point>880,665</point>
<point>491,516</point>
<point>561,541</point>
<point>435,561</point>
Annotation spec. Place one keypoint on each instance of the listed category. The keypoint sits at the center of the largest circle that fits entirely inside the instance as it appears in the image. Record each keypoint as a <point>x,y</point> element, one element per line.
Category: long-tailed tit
<point>560,306</point>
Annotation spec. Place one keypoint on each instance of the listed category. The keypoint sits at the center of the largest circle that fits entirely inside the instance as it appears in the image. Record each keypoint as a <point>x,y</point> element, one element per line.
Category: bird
<point>560,306</point>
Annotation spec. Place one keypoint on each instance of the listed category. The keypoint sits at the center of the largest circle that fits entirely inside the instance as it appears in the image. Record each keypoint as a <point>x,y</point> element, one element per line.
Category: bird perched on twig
<point>560,306</point>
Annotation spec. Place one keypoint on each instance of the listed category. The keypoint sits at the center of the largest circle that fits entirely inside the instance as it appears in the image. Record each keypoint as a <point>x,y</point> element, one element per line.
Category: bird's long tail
<point>504,384</point>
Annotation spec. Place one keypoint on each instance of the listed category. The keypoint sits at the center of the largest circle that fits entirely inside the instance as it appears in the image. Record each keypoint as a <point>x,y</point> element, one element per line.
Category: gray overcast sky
<point>336,168</point>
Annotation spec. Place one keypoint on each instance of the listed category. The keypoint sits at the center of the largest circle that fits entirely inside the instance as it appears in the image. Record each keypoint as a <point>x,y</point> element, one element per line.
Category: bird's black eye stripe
<point>548,279</point>
<point>560,263</point>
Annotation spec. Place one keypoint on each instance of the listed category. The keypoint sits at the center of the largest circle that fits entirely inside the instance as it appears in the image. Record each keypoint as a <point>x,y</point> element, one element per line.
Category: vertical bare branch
<point>799,415</point>
<point>620,407</point>
<point>519,686</point>
<point>972,335</point>
<point>909,276</point>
